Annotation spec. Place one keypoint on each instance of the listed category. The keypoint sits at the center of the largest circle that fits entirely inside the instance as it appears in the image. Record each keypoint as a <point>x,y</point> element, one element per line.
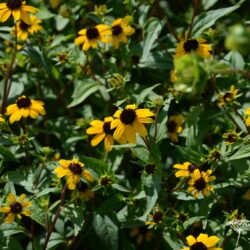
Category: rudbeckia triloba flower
<point>84,191</point>
<point>230,137</point>
<point>247,121</point>
<point>1,118</point>
<point>199,182</point>
<point>15,207</point>
<point>197,45</point>
<point>18,9</point>
<point>89,37</point>
<point>185,169</point>
<point>25,107</point>
<point>102,131</point>
<point>130,121</point>
<point>156,217</point>
<point>202,242</point>
<point>228,97</point>
<point>174,126</point>
<point>73,170</point>
<point>121,30</point>
<point>141,234</point>
<point>24,29</point>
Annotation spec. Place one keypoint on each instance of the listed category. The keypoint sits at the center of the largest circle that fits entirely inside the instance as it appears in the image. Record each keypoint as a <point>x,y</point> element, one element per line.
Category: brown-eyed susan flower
<point>230,137</point>
<point>141,234</point>
<point>24,29</point>
<point>121,30</point>
<point>15,207</point>
<point>227,97</point>
<point>25,107</point>
<point>18,9</point>
<point>73,170</point>
<point>174,126</point>
<point>199,182</point>
<point>130,121</point>
<point>91,36</point>
<point>102,131</point>
<point>185,169</point>
<point>156,217</point>
<point>197,45</point>
<point>202,242</point>
<point>247,113</point>
<point>1,118</point>
<point>84,191</point>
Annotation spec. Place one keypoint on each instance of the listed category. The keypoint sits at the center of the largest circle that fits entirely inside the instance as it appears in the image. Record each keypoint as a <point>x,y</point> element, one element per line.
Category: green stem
<point>195,3</point>
<point>8,76</point>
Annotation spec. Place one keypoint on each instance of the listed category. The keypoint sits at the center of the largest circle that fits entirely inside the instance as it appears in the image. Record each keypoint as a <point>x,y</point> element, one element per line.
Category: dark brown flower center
<point>14,4</point>
<point>82,186</point>
<point>191,45</point>
<point>24,26</point>
<point>150,168</point>
<point>106,128</point>
<point>191,168</point>
<point>23,102</point>
<point>171,126</point>
<point>157,217</point>
<point>105,181</point>
<point>92,33</point>
<point>216,155</point>
<point>232,138</point>
<point>227,97</point>
<point>182,217</point>
<point>198,246</point>
<point>16,208</point>
<point>75,168</point>
<point>116,30</point>
<point>128,116</point>
<point>200,184</point>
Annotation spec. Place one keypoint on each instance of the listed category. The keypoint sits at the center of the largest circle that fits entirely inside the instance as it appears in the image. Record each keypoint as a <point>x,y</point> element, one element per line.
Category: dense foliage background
<point>135,200</point>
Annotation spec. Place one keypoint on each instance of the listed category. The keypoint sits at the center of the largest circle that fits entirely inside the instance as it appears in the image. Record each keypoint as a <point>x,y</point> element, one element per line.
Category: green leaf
<point>208,3</point>
<point>243,152</point>
<point>7,155</point>
<point>75,214</point>
<point>152,186</point>
<point>10,229</point>
<point>82,91</point>
<point>169,238</point>
<point>152,28</point>
<point>236,59</point>
<point>106,230</point>
<point>47,191</point>
<point>207,19</point>
<point>190,154</point>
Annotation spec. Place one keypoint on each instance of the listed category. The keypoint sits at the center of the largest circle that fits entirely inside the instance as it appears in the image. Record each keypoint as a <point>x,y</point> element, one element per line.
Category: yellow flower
<point>247,121</point>
<point>199,182</point>
<point>141,234</point>
<point>25,107</point>
<point>175,126</point>
<point>15,207</point>
<point>194,45</point>
<point>73,170</point>
<point>1,118</point>
<point>121,30</point>
<point>102,131</point>
<point>89,37</point>
<point>84,191</point>
<point>228,97</point>
<point>203,241</point>
<point>230,137</point>
<point>24,29</point>
<point>18,9</point>
<point>185,169</point>
<point>156,217</point>
<point>130,121</point>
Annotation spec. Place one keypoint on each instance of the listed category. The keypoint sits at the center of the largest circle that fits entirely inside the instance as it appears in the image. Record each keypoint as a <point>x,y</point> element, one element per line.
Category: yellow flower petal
<point>97,139</point>
<point>190,240</point>
<point>130,134</point>
<point>140,128</point>
<point>4,209</point>
<point>10,218</point>
<point>108,142</point>
<point>119,132</point>
<point>87,175</point>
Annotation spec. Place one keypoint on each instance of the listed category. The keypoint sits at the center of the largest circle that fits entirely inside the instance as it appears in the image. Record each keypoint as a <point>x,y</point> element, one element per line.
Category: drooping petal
<point>87,175</point>
<point>108,142</point>
<point>97,139</point>
<point>130,134</point>
<point>140,128</point>
<point>211,241</point>
<point>190,240</point>
<point>119,132</point>
<point>10,218</point>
